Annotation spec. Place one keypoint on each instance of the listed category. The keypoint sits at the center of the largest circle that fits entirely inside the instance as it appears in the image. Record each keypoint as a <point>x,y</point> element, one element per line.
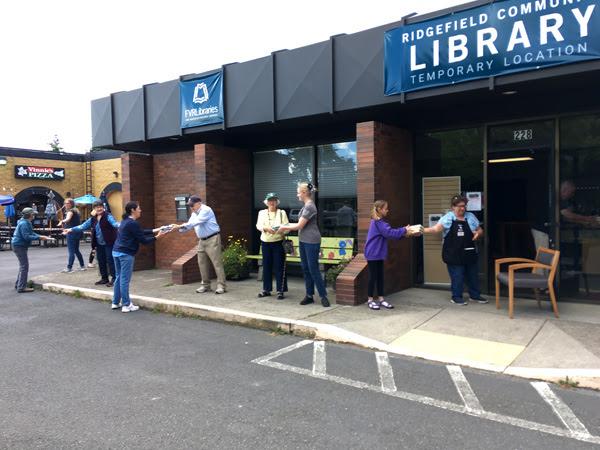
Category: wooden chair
<point>543,271</point>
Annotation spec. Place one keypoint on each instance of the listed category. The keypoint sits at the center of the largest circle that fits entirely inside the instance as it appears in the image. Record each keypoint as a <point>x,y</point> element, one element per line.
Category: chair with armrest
<point>541,276</point>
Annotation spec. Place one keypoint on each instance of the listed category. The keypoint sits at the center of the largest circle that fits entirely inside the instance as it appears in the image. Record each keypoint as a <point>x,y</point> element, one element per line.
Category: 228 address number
<point>523,135</point>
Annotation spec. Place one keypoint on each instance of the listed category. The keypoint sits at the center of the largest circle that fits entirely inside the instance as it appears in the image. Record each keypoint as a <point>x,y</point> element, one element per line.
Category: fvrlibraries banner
<point>503,37</point>
<point>201,101</point>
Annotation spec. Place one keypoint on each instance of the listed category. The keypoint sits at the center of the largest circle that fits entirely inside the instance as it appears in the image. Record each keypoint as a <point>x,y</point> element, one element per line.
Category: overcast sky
<point>58,55</point>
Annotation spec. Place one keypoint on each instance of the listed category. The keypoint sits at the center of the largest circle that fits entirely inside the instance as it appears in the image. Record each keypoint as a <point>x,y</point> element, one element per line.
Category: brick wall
<point>174,174</point>
<point>222,177</point>
<point>382,151</point>
<point>138,185</point>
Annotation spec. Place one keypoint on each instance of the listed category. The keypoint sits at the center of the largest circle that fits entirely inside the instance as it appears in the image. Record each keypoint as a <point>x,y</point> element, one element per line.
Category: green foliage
<point>334,271</point>
<point>55,144</point>
<point>568,383</point>
<point>234,259</point>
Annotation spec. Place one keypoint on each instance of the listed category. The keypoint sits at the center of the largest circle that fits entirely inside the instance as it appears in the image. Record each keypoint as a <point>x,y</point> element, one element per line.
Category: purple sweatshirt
<point>380,231</point>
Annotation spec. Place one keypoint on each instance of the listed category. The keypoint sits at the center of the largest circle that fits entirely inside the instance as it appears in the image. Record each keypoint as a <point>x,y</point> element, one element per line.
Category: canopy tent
<point>86,199</point>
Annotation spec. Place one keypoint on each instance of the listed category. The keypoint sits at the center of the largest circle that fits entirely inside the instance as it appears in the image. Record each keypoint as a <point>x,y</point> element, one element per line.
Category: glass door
<point>520,190</point>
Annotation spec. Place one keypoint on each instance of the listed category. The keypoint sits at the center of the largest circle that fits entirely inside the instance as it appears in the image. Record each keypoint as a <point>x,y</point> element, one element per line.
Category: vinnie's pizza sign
<point>47,173</point>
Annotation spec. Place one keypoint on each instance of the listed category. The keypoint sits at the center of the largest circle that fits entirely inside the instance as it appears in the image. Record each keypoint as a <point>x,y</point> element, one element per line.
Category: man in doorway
<point>104,234</point>
<point>204,223</point>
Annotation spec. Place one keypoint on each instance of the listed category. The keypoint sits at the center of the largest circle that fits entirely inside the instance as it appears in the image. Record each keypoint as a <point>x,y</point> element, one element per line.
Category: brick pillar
<point>138,185</point>
<point>223,178</point>
<point>384,156</point>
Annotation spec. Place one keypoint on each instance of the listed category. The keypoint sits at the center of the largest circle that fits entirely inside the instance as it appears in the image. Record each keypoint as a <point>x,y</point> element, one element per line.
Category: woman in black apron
<point>459,252</point>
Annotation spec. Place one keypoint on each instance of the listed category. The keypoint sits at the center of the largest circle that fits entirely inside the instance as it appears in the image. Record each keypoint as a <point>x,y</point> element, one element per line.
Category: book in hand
<point>275,227</point>
<point>415,229</point>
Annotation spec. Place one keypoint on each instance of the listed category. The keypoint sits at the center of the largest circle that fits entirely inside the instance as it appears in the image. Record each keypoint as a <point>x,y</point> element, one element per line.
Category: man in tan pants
<point>204,223</point>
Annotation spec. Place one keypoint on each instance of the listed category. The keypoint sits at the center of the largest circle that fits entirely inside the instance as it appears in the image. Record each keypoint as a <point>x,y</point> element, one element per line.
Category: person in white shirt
<point>204,223</point>
<point>269,221</point>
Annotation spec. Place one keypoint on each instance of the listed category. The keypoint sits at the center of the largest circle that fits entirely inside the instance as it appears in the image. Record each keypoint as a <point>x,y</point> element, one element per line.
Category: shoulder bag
<point>288,244</point>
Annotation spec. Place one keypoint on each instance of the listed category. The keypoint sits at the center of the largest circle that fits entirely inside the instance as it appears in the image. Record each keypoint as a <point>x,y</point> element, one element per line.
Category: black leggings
<point>375,276</point>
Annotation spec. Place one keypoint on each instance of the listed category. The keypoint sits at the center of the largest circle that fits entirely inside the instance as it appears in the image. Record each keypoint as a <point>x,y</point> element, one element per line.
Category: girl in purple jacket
<point>376,249</point>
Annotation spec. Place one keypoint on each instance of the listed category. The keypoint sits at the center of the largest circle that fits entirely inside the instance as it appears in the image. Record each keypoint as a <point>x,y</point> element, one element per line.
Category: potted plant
<point>333,272</point>
<point>234,259</point>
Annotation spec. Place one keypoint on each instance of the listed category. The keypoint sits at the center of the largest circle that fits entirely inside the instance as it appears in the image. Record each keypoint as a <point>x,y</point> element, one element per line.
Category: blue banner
<point>201,101</point>
<point>504,37</point>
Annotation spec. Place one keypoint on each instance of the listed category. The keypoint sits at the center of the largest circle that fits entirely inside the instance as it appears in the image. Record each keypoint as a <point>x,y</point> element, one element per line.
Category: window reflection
<point>579,194</point>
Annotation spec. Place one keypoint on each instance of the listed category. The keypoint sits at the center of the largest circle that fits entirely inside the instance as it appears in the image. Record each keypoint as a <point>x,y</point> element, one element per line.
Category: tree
<point>55,144</point>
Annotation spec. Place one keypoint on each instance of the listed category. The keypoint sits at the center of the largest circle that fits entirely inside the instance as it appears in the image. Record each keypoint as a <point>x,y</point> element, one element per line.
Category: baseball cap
<point>28,212</point>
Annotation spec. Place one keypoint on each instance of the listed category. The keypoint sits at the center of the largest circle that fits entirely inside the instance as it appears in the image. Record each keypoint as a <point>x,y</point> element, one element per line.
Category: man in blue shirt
<point>104,233</point>
<point>204,223</point>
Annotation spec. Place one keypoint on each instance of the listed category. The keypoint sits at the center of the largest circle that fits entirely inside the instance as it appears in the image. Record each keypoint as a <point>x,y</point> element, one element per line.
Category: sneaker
<point>82,269</point>
<point>325,302</point>
<point>67,270</point>
<point>110,283</point>
<point>115,307</point>
<point>129,308</point>
<point>280,296</point>
<point>101,282</point>
<point>458,301</point>
<point>202,289</point>
<point>479,299</point>
<point>307,300</point>
<point>91,266</point>
<point>220,290</point>
<point>25,290</point>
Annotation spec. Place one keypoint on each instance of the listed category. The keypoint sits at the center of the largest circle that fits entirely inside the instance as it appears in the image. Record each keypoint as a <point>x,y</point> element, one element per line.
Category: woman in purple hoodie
<point>376,249</point>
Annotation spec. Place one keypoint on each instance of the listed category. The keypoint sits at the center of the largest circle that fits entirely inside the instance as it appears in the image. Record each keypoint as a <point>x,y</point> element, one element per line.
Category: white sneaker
<point>129,308</point>
<point>67,270</point>
<point>82,269</point>
<point>220,290</point>
<point>113,306</point>
<point>202,289</point>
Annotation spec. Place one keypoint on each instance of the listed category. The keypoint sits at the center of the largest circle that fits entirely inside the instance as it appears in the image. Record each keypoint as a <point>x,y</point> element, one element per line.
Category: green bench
<point>333,251</point>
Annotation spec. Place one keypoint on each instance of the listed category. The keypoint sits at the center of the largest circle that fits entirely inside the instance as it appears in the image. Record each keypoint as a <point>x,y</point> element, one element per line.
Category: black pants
<point>106,262</point>
<point>273,261</point>
<point>375,277</point>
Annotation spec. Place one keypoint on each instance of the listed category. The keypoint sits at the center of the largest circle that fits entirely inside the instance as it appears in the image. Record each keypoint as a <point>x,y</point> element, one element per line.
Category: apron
<point>459,248</point>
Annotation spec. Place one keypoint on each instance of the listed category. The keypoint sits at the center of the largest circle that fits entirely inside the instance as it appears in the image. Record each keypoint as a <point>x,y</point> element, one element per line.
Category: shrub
<point>234,259</point>
<point>333,272</point>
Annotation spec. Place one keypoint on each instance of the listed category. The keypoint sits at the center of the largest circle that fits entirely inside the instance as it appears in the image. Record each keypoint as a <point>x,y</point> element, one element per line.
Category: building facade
<point>497,101</point>
<point>30,175</point>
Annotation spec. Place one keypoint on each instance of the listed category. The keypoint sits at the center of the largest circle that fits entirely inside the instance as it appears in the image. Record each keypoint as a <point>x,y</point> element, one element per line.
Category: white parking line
<point>575,429</point>
<point>564,413</point>
<point>386,374</point>
<point>319,359</point>
<point>464,388</point>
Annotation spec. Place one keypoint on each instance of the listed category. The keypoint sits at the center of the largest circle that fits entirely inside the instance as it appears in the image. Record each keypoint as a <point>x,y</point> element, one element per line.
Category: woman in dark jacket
<point>130,236</point>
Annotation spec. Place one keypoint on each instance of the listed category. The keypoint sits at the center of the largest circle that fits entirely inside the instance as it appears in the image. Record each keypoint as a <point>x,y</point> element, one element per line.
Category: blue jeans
<point>123,271</point>
<point>309,259</point>
<point>73,249</point>
<point>460,274</point>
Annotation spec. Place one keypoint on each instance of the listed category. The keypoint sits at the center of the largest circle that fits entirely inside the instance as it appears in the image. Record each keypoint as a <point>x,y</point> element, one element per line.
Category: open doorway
<point>520,190</point>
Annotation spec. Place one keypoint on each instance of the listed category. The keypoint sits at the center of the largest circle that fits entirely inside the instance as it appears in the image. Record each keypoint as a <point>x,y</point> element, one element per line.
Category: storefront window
<point>579,197</point>
<point>331,167</point>
<point>445,163</point>
<point>337,189</point>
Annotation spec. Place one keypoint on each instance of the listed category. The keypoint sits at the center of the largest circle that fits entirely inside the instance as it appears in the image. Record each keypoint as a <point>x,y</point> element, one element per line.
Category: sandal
<point>373,305</point>
<point>264,294</point>
<point>386,304</point>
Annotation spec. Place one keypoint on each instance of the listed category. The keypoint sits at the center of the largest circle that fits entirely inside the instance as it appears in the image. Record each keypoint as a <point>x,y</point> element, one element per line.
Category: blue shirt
<point>24,234</point>
<point>88,224</point>
<point>203,222</point>
<point>450,217</point>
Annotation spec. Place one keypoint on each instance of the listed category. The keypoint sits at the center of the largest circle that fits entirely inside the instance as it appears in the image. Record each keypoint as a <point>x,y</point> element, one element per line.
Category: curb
<point>313,330</point>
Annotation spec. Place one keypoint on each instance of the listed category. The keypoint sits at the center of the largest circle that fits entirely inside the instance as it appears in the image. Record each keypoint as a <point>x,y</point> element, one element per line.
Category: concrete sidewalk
<point>423,324</point>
